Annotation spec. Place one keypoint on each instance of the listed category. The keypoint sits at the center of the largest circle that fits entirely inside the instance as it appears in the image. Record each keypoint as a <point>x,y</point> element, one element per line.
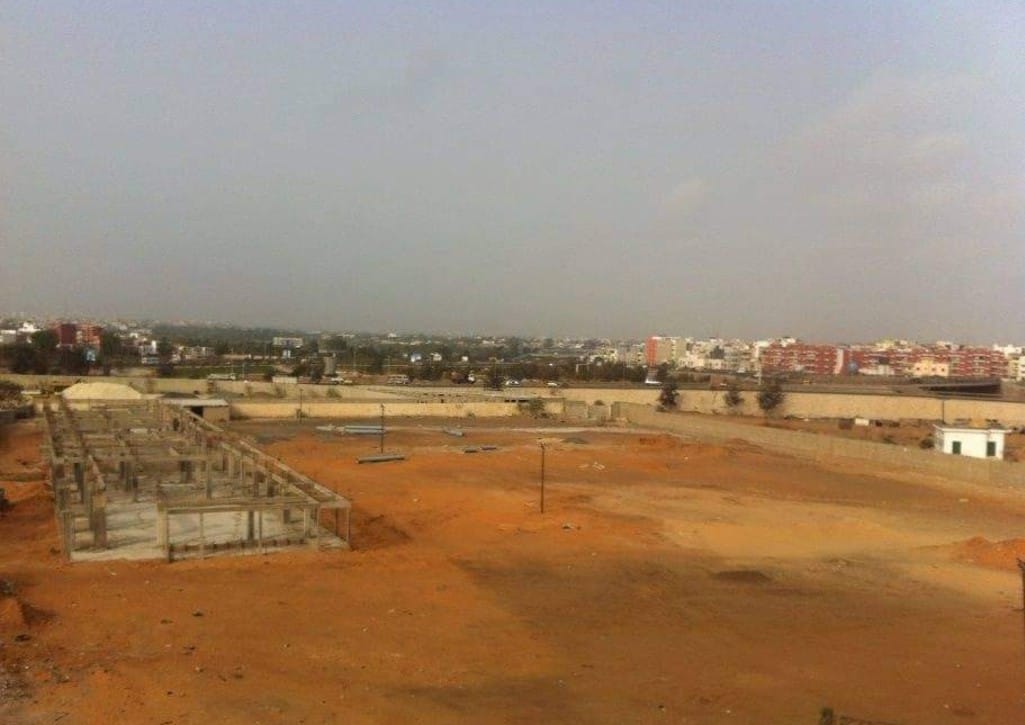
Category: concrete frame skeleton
<point>138,452</point>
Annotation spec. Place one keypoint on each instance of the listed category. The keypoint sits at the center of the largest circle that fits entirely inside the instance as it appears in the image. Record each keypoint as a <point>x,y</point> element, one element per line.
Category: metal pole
<point>542,476</point>
<point>1021,567</point>
<point>382,428</point>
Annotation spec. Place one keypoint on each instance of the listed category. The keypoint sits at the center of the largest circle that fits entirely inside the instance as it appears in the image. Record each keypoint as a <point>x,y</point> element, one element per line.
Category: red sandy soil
<point>995,554</point>
<point>666,582</point>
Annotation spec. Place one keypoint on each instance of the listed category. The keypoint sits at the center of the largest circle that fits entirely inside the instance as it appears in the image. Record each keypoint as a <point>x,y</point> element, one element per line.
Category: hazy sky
<point>831,170</point>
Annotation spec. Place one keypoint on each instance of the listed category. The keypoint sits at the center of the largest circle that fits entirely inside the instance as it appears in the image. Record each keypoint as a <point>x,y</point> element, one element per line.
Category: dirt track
<point>667,582</point>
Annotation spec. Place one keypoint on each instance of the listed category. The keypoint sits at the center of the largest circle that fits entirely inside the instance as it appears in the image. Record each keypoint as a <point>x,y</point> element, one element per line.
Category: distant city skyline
<point>840,171</point>
<point>639,337</point>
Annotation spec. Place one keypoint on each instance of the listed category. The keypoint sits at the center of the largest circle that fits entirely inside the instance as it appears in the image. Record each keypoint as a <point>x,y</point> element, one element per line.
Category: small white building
<point>973,442</point>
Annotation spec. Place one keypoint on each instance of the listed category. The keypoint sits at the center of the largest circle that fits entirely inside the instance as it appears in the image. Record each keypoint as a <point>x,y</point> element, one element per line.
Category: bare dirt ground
<point>666,582</point>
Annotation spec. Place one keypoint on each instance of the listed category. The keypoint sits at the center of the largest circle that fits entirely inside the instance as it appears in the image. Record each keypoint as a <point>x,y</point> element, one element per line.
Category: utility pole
<point>382,427</point>
<point>542,444</point>
<point>1021,567</point>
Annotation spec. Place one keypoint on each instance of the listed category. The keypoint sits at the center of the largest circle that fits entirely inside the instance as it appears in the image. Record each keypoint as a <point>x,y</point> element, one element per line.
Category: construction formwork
<point>143,479</point>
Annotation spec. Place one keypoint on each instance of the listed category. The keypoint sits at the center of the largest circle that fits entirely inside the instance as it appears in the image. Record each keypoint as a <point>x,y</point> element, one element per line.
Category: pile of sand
<point>993,554</point>
<point>101,391</point>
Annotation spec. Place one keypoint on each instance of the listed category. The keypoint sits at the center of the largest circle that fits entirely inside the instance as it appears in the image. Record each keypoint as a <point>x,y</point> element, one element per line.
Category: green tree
<point>669,395</point>
<point>770,395</point>
<point>25,359</point>
<point>72,361</point>
<point>164,348</point>
<point>44,341</point>
<point>110,346</point>
<point>733,398</point>
<point>493,379</point>
<point>44,346</point>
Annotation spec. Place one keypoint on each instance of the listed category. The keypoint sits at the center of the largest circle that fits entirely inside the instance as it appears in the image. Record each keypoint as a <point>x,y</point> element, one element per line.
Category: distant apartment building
<point>799,357</point>
<point>67,334</point>
<point>195,352</point>
<point>288,343</point>
<point>930,367</point>
<point>88,335</point>
<point>938,360</point>
<point>737,357</point>
<point>977,362</point>
<point>659,350</point>
<point>71,334</point>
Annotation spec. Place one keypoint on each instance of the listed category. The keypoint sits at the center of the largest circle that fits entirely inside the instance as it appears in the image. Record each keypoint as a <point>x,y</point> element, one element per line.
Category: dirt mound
<point>12,615</point>
<point>101,391</point>
<point>992,554</point>
<point>378,532</point>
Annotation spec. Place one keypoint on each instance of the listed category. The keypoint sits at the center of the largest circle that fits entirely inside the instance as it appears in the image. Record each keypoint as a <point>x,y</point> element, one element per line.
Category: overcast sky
<point>835,171</point>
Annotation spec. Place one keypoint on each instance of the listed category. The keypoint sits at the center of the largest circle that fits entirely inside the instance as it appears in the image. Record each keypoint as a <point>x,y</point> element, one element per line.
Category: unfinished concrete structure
<point>144,479</point>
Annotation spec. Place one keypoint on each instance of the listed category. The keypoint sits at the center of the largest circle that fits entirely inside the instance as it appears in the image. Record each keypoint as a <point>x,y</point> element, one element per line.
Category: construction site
<point>497,569</point>
<point>144,479</point>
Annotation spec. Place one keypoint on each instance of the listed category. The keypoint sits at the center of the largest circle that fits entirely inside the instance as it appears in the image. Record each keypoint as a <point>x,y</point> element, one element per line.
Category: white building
<point>930,367</point>
<point>973,442</point>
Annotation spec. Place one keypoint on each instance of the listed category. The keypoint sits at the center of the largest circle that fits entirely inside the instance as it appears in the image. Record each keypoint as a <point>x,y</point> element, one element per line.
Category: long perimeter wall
<point>824,405</point>
<point>823,447</point>
<point>290,409</point>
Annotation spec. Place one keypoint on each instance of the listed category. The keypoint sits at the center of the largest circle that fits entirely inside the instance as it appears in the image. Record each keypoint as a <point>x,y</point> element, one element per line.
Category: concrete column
<point>68,540</point>
<point>162,528</point>
<point>99,520</point>
<point>202,538</point>
<point>259,534</point>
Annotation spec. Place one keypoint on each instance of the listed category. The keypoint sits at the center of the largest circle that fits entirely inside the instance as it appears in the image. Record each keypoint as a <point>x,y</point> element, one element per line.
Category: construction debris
<point>364,430</point>
<point>381,458</point>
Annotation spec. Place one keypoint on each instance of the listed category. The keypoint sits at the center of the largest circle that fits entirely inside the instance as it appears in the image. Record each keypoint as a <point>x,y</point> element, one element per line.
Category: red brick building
<point>800,357</point>
<point>89,335</point>
<point>67,334</point>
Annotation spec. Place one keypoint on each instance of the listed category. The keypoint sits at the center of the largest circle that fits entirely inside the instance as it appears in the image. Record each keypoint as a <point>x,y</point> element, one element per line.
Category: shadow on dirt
<point>376,532</point>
